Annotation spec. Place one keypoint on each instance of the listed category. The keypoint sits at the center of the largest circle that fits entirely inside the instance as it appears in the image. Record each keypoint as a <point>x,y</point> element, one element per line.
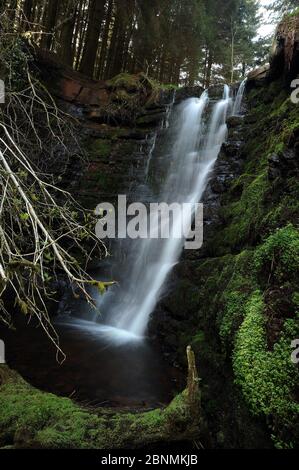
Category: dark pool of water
<point>96,371</point>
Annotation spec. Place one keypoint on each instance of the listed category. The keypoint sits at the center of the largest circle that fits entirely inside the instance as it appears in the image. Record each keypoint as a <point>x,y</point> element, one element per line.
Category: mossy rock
<point>268,378</point>
<point>99,149</point>
<point>130,83</point>
<point>30,418</point>
<point>150,119</point>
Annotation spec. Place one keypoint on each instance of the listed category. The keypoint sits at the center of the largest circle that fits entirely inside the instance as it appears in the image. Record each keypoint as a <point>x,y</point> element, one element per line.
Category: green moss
<point>129,82</point>
<point>278,257</point>
<point>100,148</point>
<point>295,299</point>
<point>268,378</point>
<point>243,217</point>
<point>31,418</point>
<point>150,119</point>
<point>45,419</point>
<point>169,86</point>
<point>184,299</point>
<point>199,338</point>
<point>102,182</point>
<point>232,287</point>
<point>231,319</point>
<point>236,298</point>
<point>292,14</point>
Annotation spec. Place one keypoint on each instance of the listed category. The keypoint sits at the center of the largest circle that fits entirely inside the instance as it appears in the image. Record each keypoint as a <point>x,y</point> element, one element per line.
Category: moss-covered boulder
<point>30,418</point>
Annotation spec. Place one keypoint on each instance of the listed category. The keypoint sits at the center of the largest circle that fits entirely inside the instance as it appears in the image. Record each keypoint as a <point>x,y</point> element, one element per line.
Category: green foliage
<point>14,58</point>
<point>278,257</point>
<point>295,300</point>
<point>53,422</point>
<point>130,83</point>
<point>235,296</point>
<point>24,216</point>
<point>283,8</point>
<point>237,291</point>
<point>246,214</point>
<point>102,286</point>
<point>267,378</point>
<point>291,5</point>
<point>100,148</point>
<point>199,338</point>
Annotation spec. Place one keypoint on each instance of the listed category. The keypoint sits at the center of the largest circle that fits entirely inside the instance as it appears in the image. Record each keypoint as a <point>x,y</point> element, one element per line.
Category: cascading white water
<point>149,160</point>
<point>239,99</point>
<point>192,158</point>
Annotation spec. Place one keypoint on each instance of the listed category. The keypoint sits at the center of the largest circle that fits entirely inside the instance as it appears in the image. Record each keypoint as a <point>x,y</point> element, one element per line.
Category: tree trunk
<point>126,47</point>
<point>233,36</point>
<point>65,51</point>
<point>3,5</point>
<point>112,47</point>
<point>12,6</point>
<point>37,14</point>
<point>105,38</point>
<point>205,67</point>
<point>79,35</point>
<point>209,70</point>
<point>27,14</point>
<point>162,67</point>
<point>96,15</point>
<point>117,65</point>
<point>176,73</point>
<point>49,22</point>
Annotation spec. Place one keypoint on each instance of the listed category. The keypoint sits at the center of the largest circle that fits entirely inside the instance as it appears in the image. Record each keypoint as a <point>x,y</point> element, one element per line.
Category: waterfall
<point>239,98</point>
<point>149,160</point>
<point>189,164</point>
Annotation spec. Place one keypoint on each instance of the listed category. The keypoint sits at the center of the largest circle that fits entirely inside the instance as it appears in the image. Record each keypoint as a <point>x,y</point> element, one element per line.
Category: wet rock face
<point>188,92</point>
<point>227,168</point>
<point>151,117</point>
<point>216,92</point>
<point>284,164</point>
<point>113,163</point>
